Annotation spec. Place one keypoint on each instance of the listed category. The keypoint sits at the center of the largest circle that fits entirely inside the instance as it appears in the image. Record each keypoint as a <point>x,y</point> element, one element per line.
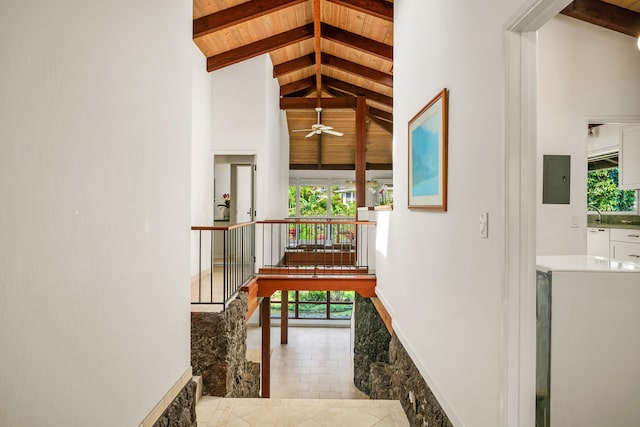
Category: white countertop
<point>584,263</point>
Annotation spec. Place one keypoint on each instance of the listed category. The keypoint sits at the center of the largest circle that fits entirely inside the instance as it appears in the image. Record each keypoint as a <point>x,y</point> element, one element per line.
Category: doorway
<point>234,188</point>
<point>520,211</point>
<point>242,187</point>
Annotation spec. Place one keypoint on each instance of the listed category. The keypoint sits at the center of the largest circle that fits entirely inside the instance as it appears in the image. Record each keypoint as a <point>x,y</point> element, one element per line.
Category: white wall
<point>584,72</point>
<point>95,119</point>
<point>247,120</point>
<point>201,157</point>
<point>442,282</point>
<point>276,151</point>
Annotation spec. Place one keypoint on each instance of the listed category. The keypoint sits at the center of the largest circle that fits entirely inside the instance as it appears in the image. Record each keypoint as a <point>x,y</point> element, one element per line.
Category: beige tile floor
<point>217,411</point>
<point>311,385</point>
<point>316,364</point>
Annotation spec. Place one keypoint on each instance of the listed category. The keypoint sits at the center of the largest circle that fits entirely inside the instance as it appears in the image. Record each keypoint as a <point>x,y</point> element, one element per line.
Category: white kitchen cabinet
<point>598,241</point>
<point>625,235</point>
<point>625,244</point>
<point>588,344</point>
<point>629,163</point>
<point>626,251</point>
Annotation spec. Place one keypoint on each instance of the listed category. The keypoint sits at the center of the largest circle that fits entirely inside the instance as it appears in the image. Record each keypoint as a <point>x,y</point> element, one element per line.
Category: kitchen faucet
<point>599,218</point>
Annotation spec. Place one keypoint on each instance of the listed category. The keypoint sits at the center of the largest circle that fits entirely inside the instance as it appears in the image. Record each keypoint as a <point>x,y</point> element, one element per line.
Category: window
<point>312,201</point>
<point>292,200</point>
<point>343,201</point>
<point>335,200</point>
<point>603,192</point>
<point>325,305</point>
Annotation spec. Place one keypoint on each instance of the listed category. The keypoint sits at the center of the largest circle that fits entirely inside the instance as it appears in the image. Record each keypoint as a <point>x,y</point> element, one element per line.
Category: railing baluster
<point>211,267</point>
<point>200,266</point>
<point>314,246</point>
<point>295,246</point>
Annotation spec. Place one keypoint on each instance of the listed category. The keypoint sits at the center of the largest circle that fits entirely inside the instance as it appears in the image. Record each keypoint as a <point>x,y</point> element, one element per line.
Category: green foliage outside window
<point>313,201</point>
<point>340,205</point>
<point>310,304</point>
<point>603,192</point>
<point>292,200</point>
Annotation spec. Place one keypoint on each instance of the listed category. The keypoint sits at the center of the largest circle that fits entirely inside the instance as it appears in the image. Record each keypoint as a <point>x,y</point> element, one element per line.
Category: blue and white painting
<point>425,156</point>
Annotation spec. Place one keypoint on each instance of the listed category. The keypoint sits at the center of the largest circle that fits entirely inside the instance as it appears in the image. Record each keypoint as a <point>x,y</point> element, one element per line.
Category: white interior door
<point>243,196</point>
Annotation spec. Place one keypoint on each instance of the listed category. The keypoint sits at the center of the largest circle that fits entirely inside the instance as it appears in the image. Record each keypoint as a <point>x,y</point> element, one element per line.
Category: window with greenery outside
<point>604,194</point>
<point>313,304</point>
<point>313,201</point>
<point>343,202</point>
<point>292,200</point>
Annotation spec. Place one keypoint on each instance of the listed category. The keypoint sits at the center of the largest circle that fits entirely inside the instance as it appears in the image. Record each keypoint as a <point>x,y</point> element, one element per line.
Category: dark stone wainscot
<point>219,351</point>
<point>182,411</point>
<point>384,370</point>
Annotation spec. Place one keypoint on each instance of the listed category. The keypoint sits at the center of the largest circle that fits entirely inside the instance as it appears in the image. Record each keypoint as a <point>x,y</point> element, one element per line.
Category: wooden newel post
<point>284,317</point>
<point>361,151</point>
<point>265,320</point>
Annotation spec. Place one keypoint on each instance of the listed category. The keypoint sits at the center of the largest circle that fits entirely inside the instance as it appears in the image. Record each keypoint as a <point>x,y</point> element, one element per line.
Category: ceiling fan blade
<point>323,127</point>
<point>301,130</point>
<point>333,132</point>
<point>313,132</point>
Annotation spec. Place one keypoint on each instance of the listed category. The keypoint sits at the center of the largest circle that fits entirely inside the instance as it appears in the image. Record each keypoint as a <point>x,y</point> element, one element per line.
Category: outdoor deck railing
<point>315,246</point>
<point>226,261</point>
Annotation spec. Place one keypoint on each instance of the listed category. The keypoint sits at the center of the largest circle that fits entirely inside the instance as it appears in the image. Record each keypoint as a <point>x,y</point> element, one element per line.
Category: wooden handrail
<point>317,221</point>
<point>221,227</point>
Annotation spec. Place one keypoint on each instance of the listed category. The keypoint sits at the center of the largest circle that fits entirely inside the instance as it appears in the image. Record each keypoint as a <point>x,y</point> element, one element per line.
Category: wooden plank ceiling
<point>325,53</point>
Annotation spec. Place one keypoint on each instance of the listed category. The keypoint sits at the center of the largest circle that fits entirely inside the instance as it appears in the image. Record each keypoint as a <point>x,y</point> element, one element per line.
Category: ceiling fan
<point>319,128</point>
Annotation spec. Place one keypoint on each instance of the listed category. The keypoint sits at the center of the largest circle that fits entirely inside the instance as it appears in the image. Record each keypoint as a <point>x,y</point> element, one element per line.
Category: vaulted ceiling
<point>324,54</point>
<point>327,52</point>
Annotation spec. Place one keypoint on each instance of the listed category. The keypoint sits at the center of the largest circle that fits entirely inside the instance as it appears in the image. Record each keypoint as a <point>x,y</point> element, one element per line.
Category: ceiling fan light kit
<point>319,128</point>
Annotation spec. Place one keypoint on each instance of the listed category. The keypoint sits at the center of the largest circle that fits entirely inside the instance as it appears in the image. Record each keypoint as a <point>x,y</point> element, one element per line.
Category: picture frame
<point>428,156</point>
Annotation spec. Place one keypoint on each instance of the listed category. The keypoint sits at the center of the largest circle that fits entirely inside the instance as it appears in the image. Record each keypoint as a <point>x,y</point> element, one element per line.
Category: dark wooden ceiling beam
<point>325,166</point>
<point>297,86</point>
<point>294,65</point>
<point>381,114</point>
<point>258,48</point>
<point>302,92</point>
<point>379,8</point>
<point>358,42</point>
<point>380,166</point>
<point>310,103</point>
<point>238,14</point>
<point>357,90</point>
<point>317,48</point>
<point>314,166</point>
<point>335,92</point>
<point>605,15</point>
<point>355,68</point>
<point>382,118</point>
<point>388,126</point>
<point>361,151</point>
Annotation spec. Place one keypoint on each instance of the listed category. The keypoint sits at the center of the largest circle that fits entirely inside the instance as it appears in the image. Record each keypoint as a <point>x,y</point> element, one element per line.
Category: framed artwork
<point>428,155</point>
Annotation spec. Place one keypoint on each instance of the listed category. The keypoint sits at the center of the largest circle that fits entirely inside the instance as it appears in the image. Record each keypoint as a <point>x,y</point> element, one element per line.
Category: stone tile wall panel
<point>219,351</point>
<point>182,411</point>
<point>384,370</point>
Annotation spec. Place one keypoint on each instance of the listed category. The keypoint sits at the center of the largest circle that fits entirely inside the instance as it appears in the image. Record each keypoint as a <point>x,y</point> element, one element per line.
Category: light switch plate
<point>575,221</point>
<point>484,225</point>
